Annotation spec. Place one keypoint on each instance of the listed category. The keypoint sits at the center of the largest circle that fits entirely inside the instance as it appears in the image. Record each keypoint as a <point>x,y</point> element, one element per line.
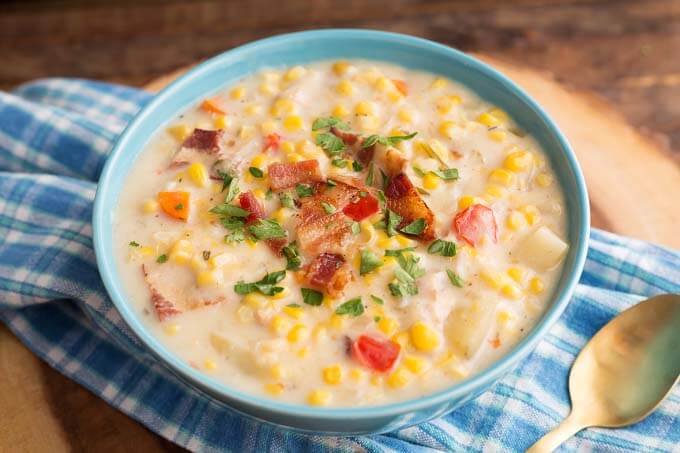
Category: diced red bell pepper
<point>474,223</point>
<point>375,353</point>
<point>361,207</point>
<point>248,202</point>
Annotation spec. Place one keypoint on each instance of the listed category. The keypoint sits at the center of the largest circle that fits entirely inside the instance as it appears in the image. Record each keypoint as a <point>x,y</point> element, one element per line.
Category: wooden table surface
<point>622,51</point>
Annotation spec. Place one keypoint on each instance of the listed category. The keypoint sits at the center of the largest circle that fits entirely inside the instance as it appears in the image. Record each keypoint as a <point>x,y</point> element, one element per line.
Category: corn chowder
<point>344,233</point>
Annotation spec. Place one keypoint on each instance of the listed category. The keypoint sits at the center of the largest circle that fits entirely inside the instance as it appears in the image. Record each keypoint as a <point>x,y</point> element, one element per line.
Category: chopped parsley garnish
<point>369,262</point>
<point>385,179</point>
<point>236,227</point>
<point>355,228</point>
<point>356,166</point>
<point>330,143</point>
<point>311,296</point>
<point>455,278</point>
<point>331,121</point>
<point>422,191</point>
<point>206,255</point>
<point>265,229</point>
<point>352,307</point>
<point>377,300</point>
<point>232,190</point>
<point>387,141</point>
<point>392,221</point>
<point>266,285</point>
<point>162,259</point>
<point>447,174</point>
<point>269,194</point>
<point>377,318</point>
<point>418,171</point>
<point>340,163</point>
<point>381,199</point>
<point>442,247</point>
<point>256,172</point>
<point>405,276</point>
<point>229,210</point>
<point>328,208</point>
<point>286,200</point>
<point>292,255</point>
<point>226,178</point>
<point>304,190</point>
<point>179,207</point>
<point>134,244</point>
<point>331,183</point>
<point>398,252</point>
<point>369,175</point>
<point>416,227</point>
<point>293,305</point>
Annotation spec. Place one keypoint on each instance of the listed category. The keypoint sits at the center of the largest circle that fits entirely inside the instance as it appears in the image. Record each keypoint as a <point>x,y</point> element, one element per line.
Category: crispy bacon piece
<point>248,202</point>
<point>163,307</point>
<point>204,140</point>
<point>328,271</point>
<point>365,155</point>
<point>285,176</point>
<point>347,137</point>
<point>474,223</point>
<point>404,199</point>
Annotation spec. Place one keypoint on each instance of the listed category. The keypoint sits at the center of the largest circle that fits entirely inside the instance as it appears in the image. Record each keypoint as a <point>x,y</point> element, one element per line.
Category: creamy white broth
<point>299,353</point>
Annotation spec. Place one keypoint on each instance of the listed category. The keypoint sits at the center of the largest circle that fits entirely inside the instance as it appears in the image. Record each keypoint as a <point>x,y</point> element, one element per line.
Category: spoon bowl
<point>624,372</point>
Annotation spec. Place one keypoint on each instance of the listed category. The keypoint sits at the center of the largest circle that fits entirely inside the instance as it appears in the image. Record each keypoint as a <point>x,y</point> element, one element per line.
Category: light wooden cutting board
<point>634,190</point>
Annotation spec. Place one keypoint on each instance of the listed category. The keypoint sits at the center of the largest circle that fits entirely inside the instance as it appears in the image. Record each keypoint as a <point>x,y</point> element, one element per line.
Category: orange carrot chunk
<point>175,204</point>
<point>211,106</point>
<point>401,86</point>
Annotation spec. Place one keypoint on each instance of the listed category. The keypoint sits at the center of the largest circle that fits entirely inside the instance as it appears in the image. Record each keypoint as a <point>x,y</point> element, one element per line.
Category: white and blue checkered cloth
<point>54,138</point>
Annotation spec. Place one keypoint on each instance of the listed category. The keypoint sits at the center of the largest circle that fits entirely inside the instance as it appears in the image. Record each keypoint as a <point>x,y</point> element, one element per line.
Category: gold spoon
<point>624,372</point>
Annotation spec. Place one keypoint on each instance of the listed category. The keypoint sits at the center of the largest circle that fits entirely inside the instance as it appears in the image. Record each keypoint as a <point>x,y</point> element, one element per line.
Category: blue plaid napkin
<point>54,138</point>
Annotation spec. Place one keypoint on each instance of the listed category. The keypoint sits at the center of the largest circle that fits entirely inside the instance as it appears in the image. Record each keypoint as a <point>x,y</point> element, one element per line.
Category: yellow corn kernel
<point>246,132</point>
<point>198,264</point>
<point>532,214</point>
<point>340,111</point>
<point>150,206</point>
<point>210,364</point>
<point>384,84</point>
<point>499,114</point>
<point>253,109</point>
<point>401,338</point>
<point>269,127</point>
<point>495,191</point>
<point>245,314</point>
<point>280,214</point>
<point>303,352</point>
<point>404,241</point>
<point>282,106</point>
<point>198,174</point>
<point>319,397</point>
<point>544,180</point>
<point>271,76</point>
<point>287,147</point>
<point>345,88</point>
<point>293,123</point>
<point>430,181</point>
<point>536,285</point>
<point>517,274</point>
<point>398,378</point>
<point>280,325</point>
<point>438,83</point>
<point>515,221</point>
<point>405,115</point>
<point>172,329</point>
<point>332,375</point>
<point>415,365</point>
<point>221,122</point>
<point>502,176</point>
<point>376,380</point>
<point>179,131</point>
<point>340,67</point>
<point>493,279</point>
<point>259,193</point>
<point>237,93</point>
<point>368,232</point>
<point>299,332</point>
<point>518,161</point>
<point>364,108</point>
<point>445,103</point>
<point>319,333</point>
<point>267,88</point>
<point>206,278</point>
<point>357,374</point>
<point>389,260</point>
<point>488,119</point>
<point>294,312</point>
<point>294,73</point>
<point>511,291</point>
<point>294,157</point>
<point>336,322</point>
<point>277,371</point>
<point>254,300</point>
<point>383,241</point>
<point>466,201</point>
<point>258,161</point>
<point>147,251</point>
<point>446,128</point>
<point>274,389</point>
<point>498,135</point>
<point>423,337</point>
<point>503,317</point>
<point>387,326</point>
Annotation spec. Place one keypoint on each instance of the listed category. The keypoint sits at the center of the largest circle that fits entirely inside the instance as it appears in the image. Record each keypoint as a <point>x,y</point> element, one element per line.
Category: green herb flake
<point>331,183</point>
<point>232,190</point>
<point>311,296</point>
<point>330,143</point>
<point>418,171</point>
<point>352,307</point>
<point>286,200</point>
<point>392,221</point>
<point>356,166</point>
<point>269,194</point>
<point>225,177</point>
<point>133,244</point>
<point>331,121</point>
<point>447,174</point>
<point>292,255</point>
<point>377,318</point>
<point>369,262</point>
<point>416,227</point>
<point>266,285</point>
<point>304,190</point>
<point>328,208</point>
<point>404,283</point>
<point>265,229</point>
<point>381,199</point>
<point>386,141</point>
<point>229,210</point>
<point>294,305</point>
<point>256,172</point>
<point>355,228</point>
<point>377,300</point>
<point>162,259</point>
<point>206,255</point>
<point>369,175</point>
<point>385,179</point>
<point>442,247</point>
<point>340,163</point>
<point>454,278</point>
<point>398,252</point>
<point>179,207</point>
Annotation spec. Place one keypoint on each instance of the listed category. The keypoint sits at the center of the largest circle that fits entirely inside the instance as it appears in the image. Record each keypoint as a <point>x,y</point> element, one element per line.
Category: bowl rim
<point>457,390</point>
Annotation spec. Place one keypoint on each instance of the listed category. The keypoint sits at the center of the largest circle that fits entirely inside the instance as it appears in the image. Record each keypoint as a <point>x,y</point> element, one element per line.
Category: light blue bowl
<point>305,47</point>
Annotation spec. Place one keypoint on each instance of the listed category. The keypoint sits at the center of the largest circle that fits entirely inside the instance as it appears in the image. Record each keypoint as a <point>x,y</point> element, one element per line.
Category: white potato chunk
<point>468,327</point>
<point>542,249</point>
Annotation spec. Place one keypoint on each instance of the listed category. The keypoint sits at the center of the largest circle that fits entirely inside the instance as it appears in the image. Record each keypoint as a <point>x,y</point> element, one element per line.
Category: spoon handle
<point>546,444</point>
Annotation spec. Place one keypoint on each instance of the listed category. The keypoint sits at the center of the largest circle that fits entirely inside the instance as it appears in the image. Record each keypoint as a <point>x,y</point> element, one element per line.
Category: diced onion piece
<point>468,327</point>
<point>542,249</point>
